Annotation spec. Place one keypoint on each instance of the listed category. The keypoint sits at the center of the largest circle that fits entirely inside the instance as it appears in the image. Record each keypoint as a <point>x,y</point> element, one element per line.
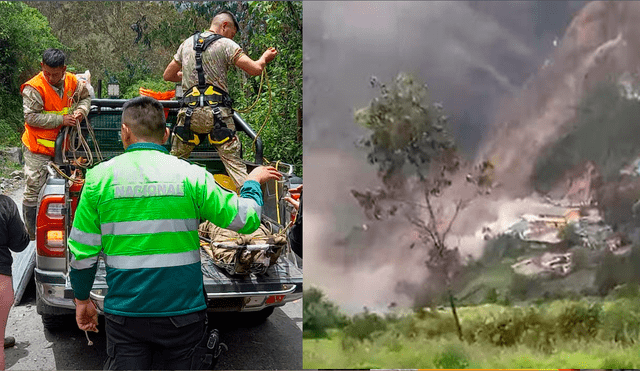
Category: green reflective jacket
<point>142,209</point>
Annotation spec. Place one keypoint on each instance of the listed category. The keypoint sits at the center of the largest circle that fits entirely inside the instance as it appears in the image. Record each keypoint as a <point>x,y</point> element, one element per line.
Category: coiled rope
<point>77,142</point>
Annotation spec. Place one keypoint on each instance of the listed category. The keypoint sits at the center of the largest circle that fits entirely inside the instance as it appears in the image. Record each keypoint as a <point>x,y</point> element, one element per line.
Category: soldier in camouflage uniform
<point>53,87</point>
<point>216,61</point>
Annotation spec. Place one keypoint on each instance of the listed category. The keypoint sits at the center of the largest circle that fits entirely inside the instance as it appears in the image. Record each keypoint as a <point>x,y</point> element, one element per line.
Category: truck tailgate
<point>282,278</point>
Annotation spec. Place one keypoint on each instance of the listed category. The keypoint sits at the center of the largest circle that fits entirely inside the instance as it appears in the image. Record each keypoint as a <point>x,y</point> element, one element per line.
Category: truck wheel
<point>53,318</point>
<point>54,323</point>
<point>256,318</point>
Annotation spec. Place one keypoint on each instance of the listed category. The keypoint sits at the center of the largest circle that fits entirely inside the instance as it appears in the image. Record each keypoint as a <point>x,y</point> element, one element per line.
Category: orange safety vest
<point>40,140</point>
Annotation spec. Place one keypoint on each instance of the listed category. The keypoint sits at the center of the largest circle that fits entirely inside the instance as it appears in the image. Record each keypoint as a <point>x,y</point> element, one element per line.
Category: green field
<point>448,352</point>
<point>588,333</point>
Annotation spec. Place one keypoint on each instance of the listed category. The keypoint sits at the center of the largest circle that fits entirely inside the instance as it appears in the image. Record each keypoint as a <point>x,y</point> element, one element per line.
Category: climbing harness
<point>202,95</point>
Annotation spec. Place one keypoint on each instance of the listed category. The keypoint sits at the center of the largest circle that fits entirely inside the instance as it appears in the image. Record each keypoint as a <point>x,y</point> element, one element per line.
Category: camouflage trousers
<point>229,152</point>
<point>35,172</point>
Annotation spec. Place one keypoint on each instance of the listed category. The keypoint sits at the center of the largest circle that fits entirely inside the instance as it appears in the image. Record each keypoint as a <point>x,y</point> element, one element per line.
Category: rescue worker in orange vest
<point>52,99</point>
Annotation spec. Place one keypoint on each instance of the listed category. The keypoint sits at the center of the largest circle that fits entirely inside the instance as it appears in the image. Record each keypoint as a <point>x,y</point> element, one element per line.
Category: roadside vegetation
<point>7,167</point>
<point>132,42</point>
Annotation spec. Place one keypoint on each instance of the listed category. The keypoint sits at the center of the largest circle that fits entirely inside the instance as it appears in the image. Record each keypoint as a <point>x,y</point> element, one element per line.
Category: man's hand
<point>294,203</point>
<point>77,115</point>
<point>86,315</point>
<point>69,120</point>
<point>269,54</point>
<point>294,192</point>
<point>262,174</point>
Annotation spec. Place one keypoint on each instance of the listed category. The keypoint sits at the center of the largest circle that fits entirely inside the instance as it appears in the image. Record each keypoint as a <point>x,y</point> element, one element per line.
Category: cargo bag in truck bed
<point>240,254</point>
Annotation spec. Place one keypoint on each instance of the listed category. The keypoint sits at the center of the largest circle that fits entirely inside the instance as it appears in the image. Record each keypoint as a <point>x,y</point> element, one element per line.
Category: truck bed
<point>224,290</point>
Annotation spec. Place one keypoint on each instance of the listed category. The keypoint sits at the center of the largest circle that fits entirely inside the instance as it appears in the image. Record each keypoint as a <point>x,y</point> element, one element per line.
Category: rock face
<point>14,179</point>
<point>13,154</point>
<point>602,43</point>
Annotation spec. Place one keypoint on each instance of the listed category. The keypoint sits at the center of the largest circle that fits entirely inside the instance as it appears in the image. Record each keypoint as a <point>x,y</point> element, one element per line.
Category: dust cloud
<point>474,56</point>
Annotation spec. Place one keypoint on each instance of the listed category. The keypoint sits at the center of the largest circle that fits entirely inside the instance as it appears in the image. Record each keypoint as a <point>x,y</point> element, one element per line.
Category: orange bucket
<point>164,95</point>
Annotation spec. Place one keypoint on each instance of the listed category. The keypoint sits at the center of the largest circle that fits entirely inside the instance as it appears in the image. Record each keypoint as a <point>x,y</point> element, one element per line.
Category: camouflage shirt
<point>216,61</point>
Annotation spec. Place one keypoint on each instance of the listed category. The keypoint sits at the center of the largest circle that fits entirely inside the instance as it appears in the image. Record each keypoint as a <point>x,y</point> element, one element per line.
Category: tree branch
<point>459,206</point>
<point>423,227</point>
<point>432,222</point>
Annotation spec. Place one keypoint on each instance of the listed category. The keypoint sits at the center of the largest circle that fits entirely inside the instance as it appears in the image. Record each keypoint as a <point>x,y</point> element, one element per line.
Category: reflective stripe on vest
<point>63,112</point>
<point>152,261</point>
<point>85,238</point>
<point>46,142</point>
<point>244,205</point>
<point>84,263</point>
<point>150,226</point>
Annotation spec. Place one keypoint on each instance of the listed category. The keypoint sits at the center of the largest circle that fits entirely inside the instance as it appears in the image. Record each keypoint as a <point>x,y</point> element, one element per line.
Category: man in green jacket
<point>142,210</point>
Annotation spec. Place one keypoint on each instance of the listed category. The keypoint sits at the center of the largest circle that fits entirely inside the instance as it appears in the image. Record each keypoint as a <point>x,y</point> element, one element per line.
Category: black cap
<point>235,21</point>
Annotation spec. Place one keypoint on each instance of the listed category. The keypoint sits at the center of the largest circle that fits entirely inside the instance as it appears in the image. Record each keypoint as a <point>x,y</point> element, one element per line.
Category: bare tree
<point>417,161</point>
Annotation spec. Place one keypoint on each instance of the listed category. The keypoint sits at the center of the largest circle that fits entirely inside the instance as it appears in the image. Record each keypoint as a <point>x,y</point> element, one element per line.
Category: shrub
<point>451,357</point>
<point>491,296</point>
<point>506,300</point>
<point>155,84</point>
<point>513,326</point>
<point>608,274</point>
<point>8,134</point>
<point>611,363</point>
<point>621,322</point>
<point>319,314</point>
<point>540,332</point>
<point>431,327</point>
<point>579,320</point>
<point>348,343</point>
<point>391,339</point>
<point>363,325</point>
<point>501,331</point>
<point>24,35</point>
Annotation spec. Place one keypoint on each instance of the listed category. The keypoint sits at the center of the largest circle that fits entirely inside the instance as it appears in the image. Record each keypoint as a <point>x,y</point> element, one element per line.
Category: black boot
<point>9,341</point>
<point>29,216</point>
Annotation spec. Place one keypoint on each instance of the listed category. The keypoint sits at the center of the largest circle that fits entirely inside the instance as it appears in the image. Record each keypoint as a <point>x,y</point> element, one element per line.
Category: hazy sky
<point>469,53</point>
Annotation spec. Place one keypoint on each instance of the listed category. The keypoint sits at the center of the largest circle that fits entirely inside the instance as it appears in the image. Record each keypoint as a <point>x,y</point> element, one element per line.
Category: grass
<point>409,353</point>
<point>7,167</point>
<point>555,338</point>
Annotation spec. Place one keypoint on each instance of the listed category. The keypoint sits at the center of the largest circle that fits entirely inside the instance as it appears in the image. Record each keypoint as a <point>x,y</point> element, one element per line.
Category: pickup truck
<point>258,294</point>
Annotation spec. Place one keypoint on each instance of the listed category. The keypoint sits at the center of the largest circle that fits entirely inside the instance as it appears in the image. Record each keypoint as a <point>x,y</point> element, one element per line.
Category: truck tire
<point>55,323</point>
<point>53,318</point>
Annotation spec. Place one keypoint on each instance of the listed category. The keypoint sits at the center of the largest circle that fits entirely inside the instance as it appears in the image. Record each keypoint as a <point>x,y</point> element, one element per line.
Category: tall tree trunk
<point>455,315</point>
